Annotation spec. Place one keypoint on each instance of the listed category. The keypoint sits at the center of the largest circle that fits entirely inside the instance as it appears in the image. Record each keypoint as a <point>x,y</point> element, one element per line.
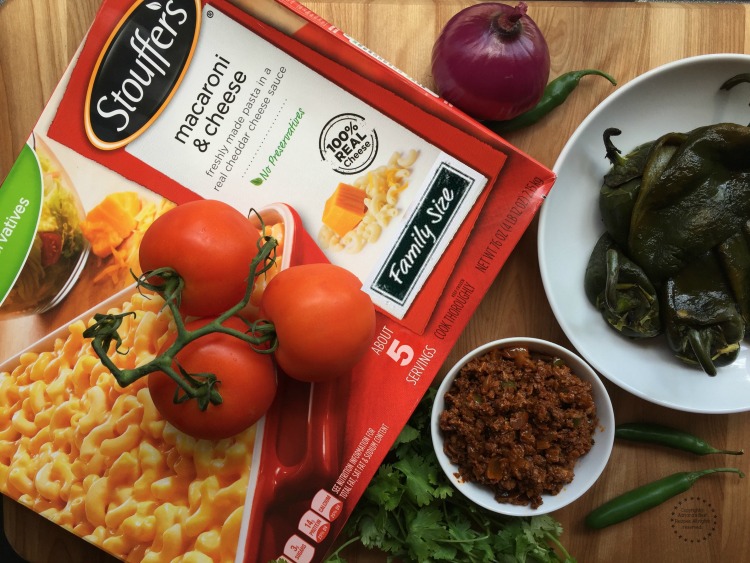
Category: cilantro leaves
<point>411,511</point>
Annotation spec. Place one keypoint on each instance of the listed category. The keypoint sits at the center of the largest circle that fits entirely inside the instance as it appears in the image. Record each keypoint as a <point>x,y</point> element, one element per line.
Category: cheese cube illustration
<point>344,209</point>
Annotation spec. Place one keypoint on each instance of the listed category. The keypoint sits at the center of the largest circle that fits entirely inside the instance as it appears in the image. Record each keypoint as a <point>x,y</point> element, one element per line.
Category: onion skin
<point>491,61</point>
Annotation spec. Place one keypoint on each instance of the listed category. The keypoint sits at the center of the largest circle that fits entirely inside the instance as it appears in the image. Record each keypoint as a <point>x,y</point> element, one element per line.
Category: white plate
<point>675,97</point>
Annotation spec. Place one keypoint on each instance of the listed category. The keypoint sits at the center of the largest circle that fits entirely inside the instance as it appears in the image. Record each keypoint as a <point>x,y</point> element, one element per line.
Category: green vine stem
<point>166,282</point>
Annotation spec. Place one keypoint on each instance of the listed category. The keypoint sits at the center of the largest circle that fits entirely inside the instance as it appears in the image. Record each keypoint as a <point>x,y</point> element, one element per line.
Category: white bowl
<point>587,469</point>
<point>678,96</point>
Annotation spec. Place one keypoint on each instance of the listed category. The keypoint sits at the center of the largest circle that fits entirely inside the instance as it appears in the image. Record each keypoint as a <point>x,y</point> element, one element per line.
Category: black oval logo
<point>139,69</point>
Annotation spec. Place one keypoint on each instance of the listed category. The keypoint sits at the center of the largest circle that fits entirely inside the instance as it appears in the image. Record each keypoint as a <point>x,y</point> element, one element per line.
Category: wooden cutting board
<point>38,38</point>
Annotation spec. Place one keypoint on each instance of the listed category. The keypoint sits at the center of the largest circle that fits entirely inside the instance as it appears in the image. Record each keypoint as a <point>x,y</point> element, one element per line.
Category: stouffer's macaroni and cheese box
<point>267,107</point>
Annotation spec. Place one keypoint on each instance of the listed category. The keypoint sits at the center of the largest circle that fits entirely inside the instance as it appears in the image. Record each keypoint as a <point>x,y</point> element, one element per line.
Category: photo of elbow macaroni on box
<point>357,213</point>
<point>99,460</point>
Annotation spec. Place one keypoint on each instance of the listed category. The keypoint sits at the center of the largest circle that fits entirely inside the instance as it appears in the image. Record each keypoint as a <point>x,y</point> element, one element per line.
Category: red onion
<point>491,61</point>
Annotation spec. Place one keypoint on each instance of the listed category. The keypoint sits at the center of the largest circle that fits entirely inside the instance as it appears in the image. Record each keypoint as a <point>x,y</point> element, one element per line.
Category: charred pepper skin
<point>554,95</point>
<point>621,186</point>
<point>681,211</point>
<point>701,319</point>
<point>666,205</point>
<point>620,290</point>
<point>734,255</point>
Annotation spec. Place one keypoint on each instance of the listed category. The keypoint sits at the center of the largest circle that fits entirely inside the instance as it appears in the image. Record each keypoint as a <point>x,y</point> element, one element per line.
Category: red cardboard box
<point>171,101</point>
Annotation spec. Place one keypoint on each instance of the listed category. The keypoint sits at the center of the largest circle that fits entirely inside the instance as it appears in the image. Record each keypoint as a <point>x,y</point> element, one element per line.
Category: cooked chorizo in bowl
<point>516,419</point>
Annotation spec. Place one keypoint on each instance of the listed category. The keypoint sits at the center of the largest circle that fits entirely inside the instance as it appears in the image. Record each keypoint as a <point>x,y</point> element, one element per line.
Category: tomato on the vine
<point>210,245</point>
<point>324,321</point>
<point>246,382</point>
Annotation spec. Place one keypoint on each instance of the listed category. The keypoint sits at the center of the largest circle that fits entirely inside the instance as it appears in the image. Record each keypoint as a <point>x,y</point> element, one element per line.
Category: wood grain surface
<point>39,37</point>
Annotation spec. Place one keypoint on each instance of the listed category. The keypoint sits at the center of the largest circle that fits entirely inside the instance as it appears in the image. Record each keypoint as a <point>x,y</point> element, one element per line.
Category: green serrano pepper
<point>648,496</point>
<point>670,437</point>
<point>555,93</point>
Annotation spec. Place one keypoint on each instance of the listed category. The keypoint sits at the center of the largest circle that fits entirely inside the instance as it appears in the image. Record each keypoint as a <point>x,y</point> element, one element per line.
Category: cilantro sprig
<point>412,512</point>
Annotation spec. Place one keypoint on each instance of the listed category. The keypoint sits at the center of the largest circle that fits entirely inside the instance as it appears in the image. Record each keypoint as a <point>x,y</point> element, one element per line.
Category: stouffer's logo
<point>139,69</point>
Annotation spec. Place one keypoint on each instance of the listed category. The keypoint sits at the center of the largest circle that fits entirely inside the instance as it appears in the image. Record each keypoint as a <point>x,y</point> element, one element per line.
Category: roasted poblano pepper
<point>620,188</point>
<point>691,199</point>
<point>734,255</point>
<point>700,316</point>
<point>620,290</point>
